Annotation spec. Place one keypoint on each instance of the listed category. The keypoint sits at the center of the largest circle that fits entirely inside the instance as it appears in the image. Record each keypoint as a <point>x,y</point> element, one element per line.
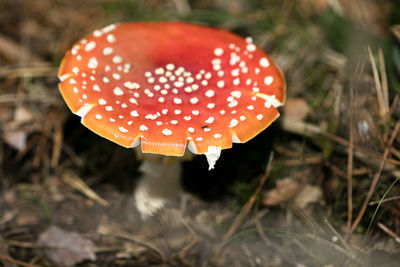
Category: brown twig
<point>383,200</point>
<point>389,232</point>
<point>18,262</point>
<point>76,182</point>
<point>376,177</point>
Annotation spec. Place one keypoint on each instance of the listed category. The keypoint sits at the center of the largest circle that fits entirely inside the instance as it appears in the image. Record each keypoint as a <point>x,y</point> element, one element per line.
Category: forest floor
<point>320,187</point>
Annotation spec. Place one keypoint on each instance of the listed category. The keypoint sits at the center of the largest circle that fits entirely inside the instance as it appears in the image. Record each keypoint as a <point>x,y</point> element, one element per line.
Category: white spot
<point>242,118</point>
<point>216,61</point>
<point>177,111</point>
<point>212,155</point>
<point>194,100</point>
<point>118,91</point>
<point>236,81</point>
<point>195,87</point>
<point>122,129</point>
<point>143,128</point>
<point>98,116</point>
<point>90,46</point>
<point>211,105</point>
<point>187,118</point>
<point>97,33</point>
<point>166,132</point>
<point>170,66</point>
<point>250,107</point>
<point>260,117</point>
<point>178,84</point>
<point>75,70</point>
<point>161,99</point>
<point>134,113</point>
<point>221,84</point>
<point>174,122</point>
<point>264,62</point>
<point>76,90</point>
<point>159,123</point>
<point>199,139</point>
<point>102,101</point>
<point>190,130</point>
<point>131,85</point>
<point>195,112</point>
<point>84,96</point>
<point>116,76</point>
<point>268,80</point>
<point>218,51</point>
<point>210,93</point>
<point>210,120</point>
<point>164,111</point>
<point>233,103</point>
<point>151,116</point>
<point>109,28</point>
<point>107,51</point>
<point>233,123</point>
<point>117,59</point>
<point>217,136</point>
<point>216,67</point>
<point>72,81</point>
<point>111,38</point>
<point>109,108</point>
<point>92,64</point>
<point>177,101</point>
<point>271,99</point>
<point>133,100</point>
<point>236,94</point>
<point>257,70</point>
<point>162,79</point>
<point>251,47</point>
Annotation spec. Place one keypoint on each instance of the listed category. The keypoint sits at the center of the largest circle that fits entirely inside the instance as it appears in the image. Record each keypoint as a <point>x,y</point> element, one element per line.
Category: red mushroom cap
<point>165,84</point>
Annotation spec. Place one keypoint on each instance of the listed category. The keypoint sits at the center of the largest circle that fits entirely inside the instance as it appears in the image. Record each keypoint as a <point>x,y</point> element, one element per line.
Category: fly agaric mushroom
<point>166,85</point>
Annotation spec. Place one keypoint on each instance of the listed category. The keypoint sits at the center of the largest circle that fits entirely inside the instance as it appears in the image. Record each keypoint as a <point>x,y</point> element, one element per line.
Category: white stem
<point>159,185</point>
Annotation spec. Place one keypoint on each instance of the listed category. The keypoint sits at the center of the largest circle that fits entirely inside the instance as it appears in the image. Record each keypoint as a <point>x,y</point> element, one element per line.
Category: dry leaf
<point>296,109</point>
<point>309,194</point>
<point>284,190</point>
<point>15,132</point>
<point>66,248</point>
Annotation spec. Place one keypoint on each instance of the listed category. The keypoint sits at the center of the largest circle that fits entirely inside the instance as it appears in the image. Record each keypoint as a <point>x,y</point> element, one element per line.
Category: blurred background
<point>318,188</point>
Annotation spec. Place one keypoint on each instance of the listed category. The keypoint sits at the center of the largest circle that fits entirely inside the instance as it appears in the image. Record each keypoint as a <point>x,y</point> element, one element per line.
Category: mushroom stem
<point>160,184</point>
